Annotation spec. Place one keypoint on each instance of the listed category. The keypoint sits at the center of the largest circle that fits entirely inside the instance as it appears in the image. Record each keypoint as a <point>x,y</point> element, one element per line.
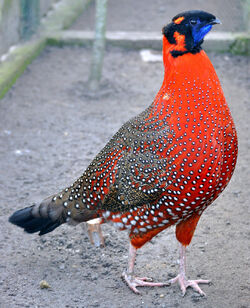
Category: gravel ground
<point>49,132</point>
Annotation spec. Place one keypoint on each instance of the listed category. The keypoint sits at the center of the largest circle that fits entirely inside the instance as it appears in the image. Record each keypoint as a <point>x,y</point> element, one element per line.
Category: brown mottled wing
<point>130,171</point>
<point>140,173</point>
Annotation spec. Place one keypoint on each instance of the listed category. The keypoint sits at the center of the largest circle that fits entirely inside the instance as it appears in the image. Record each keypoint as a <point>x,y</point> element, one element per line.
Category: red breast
<point>202,142</point>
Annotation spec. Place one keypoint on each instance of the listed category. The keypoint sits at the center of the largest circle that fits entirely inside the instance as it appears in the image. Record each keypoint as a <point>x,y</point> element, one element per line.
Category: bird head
<point>187,30</point>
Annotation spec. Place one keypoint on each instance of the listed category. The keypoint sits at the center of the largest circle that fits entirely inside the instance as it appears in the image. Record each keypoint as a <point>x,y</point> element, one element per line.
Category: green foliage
<point>241,46</point>
<point>12,68</point>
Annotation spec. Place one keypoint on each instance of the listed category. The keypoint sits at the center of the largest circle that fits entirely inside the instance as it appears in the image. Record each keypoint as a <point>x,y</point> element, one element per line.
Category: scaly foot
<point>184,284</point>
<point>134,282</point>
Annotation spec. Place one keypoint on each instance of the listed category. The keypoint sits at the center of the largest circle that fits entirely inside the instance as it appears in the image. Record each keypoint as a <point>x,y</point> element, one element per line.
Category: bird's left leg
<point>183,282</point>
<point>134,281</point>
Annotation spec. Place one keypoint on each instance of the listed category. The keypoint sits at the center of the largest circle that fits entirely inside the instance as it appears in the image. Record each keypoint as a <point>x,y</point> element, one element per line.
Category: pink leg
<point>184,283</point>
<point>133,281</point>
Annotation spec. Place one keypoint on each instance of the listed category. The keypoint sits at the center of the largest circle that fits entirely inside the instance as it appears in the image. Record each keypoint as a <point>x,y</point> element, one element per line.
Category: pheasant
<point>162,168</point>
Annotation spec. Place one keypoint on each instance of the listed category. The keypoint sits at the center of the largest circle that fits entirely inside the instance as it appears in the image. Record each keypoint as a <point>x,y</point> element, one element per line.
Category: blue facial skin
<point>199,31</point>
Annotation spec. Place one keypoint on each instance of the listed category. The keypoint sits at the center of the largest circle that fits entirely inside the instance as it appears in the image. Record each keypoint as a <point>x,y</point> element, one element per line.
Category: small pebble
<point>162,295</point>
<point>62,266</point>
<point>44,284</point>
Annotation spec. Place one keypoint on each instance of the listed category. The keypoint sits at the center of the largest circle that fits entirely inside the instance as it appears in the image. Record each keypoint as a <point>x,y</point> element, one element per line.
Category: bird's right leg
<point>184,234</point>
<point>181,279</point>
<point>133,281</point>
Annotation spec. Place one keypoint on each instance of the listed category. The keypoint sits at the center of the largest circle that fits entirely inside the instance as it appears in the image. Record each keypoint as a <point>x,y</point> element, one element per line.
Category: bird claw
<point>134,282</point>
<point>184,284</point>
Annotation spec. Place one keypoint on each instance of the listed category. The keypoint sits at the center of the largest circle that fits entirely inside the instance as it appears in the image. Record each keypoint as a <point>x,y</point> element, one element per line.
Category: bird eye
<point>193,22</point>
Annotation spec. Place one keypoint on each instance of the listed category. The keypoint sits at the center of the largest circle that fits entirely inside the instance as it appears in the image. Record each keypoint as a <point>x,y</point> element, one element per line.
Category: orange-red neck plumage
<point>185,79</point>
<point>189,65</point>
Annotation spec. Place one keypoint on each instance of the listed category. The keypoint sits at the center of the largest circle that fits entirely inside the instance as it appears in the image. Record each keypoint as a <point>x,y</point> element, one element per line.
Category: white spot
<point>124,220</point>
<point>106,214</point>
<point>119,225</point>
<point>166,221</point>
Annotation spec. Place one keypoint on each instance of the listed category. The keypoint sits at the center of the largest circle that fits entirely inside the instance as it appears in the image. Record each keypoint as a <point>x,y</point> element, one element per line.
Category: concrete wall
<point>10,12</point>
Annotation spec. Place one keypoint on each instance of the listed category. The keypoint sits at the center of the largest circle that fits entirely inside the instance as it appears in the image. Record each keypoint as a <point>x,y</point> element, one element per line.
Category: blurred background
<point>20,19</point>
<point>148,15</point>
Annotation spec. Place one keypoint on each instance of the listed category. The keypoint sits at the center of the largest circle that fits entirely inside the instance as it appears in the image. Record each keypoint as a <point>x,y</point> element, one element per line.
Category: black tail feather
<point>25,219</point>
<point>52,225</point>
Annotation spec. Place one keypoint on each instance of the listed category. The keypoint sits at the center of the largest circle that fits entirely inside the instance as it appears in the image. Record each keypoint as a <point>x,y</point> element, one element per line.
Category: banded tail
<point>48,215</point>
<point>42,218</point>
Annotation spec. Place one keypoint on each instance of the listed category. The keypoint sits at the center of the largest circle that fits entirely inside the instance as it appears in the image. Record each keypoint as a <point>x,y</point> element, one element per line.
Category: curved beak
<point>215,22</point>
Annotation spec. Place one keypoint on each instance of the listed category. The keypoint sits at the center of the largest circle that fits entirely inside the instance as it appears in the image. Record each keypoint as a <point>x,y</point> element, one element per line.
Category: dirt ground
<point>49,133</point>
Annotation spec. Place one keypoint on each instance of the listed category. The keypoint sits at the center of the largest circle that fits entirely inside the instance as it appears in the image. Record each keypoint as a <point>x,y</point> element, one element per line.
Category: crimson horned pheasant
<point>163,167</point>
